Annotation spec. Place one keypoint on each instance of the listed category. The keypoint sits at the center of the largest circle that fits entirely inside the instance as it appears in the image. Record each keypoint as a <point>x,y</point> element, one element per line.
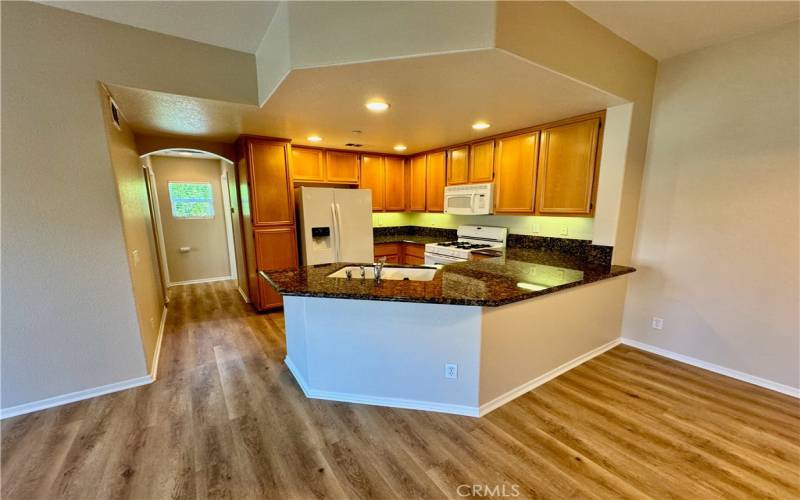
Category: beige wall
<point>137,229</point>
<point>69,318</point>
<point>717,244</point>
<point>208,257</point>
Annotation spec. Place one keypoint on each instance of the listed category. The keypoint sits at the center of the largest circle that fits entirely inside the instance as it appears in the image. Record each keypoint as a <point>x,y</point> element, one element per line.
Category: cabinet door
<point>391,251</point>
<point>435,182</point>
<point>276,248</point>
<point>373,177</point>
<point>567,167</point>
<point>457,166</point>
<point>481,162</point>
<point>417,183</point>
<point>308,164</point>
<point>395,184</point>
<point>515,165</point>
<point>271,200</point>
<point>341,167</point>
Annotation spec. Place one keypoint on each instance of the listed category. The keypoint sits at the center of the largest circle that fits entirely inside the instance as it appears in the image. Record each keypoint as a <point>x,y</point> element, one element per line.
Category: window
<point>191,200</point>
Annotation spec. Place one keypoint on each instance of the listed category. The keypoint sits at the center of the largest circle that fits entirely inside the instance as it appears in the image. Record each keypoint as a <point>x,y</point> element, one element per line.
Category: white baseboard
<point>744,377</point>
<point>541,379</point>
<point>71,397</point>
<point>409,404</point>
<point>157,353</point>
<point>244,295</point>
<point>196,282</point>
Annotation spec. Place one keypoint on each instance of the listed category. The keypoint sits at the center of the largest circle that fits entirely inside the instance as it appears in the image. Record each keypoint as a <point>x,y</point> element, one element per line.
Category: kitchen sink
<point>388,273</point>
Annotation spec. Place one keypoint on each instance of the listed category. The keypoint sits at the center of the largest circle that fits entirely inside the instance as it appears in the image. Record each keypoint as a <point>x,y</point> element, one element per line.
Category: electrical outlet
<point>657,323</point>
<point>536,228</point>
<point>451,370</point>
<point>564,230</point>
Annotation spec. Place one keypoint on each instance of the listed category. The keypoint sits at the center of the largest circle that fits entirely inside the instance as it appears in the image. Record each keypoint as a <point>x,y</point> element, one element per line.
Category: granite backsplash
<point>599,255</point>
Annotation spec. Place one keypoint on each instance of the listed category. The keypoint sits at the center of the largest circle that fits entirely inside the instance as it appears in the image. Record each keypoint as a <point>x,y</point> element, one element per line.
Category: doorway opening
<point>194,204</point>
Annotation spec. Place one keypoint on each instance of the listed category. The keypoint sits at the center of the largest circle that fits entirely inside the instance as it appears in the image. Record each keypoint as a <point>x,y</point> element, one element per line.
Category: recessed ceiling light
<point>314,138</point>
<point>400,147</point>
<point>480,125</point>
<point>184,153</point>
<point>377,105</point>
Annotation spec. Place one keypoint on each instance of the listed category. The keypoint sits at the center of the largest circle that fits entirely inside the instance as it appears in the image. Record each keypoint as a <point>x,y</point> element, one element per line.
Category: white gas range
<point>469,238</point>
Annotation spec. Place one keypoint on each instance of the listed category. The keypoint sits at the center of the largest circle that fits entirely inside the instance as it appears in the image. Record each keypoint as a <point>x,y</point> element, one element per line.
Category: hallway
<point>225,419</point>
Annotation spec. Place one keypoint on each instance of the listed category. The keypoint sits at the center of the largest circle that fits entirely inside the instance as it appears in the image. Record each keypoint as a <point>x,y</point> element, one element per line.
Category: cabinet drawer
<point>414,250</point>
<point>411,260</point>
<point>387,249</point>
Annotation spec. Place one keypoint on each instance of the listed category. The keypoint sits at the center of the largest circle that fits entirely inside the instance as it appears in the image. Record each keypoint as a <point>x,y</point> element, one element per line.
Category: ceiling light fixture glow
<point>184,153</point>
<point>314,138</point>
<point>377,105</point>
<point>400,147</point>
<point>480,125</point>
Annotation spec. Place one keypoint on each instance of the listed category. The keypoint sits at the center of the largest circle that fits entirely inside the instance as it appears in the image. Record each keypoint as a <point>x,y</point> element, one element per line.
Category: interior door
<point>354,214</point>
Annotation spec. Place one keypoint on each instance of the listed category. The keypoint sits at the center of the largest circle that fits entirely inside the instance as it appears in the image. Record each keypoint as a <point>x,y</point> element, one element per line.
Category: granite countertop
<point>517,275</point>
<point>419,239</point>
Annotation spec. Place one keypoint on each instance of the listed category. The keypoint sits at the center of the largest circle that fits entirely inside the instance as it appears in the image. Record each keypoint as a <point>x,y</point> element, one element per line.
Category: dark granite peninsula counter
<point>494,281</point>
<point>461,339</point>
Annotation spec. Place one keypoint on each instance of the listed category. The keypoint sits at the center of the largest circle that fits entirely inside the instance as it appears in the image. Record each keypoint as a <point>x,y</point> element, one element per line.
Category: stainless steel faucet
<point>363,272</point>
<point>378,268</point>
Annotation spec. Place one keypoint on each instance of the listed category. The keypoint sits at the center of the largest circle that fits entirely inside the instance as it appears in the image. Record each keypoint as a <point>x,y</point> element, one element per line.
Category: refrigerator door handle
<point>339,231</point>
<point>335,233</point>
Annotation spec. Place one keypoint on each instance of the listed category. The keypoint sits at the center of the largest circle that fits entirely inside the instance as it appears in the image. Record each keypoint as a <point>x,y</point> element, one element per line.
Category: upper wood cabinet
<point>271,195</point>
<point>395,175</point>
<point>417,183</point>
<point>308,164</point>
<point>457,165</point>
<point>373,177</point>
<point>515,170</point>
<point>567,168</point>
<point>320,165</point>
<point>276,248</point>
<point>481,162</point>
<point>435,173</point>
<point>341,167</point>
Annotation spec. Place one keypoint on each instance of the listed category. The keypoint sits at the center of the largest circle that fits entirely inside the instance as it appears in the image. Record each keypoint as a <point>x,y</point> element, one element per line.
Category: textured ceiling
<point>434,100</point>
<point>230,24</point>
<point>667,28</point>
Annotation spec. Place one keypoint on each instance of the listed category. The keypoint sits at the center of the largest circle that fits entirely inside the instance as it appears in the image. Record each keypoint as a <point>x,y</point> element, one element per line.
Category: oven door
<point>433,259</point>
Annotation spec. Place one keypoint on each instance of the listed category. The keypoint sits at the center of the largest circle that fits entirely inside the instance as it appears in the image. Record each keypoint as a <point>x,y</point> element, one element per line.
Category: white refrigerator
<point>335,225</point>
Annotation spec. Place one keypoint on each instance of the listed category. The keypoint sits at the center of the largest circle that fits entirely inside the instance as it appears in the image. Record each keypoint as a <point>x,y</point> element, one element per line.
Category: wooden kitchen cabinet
<point>435,182</point>
<point>457,165</point>
<point>392,251</point>
<point>341,167</point>
<point>417,183</point>
<point>266,208</point>
<point>481,162</point>
<point>515,173</point>
<point>395,184</point>
<point>373,177</point>
<point>271,196</point>
<point>413,254</point>
<point>276,248</point>
<point>308,164</point>
<point>567,168</point>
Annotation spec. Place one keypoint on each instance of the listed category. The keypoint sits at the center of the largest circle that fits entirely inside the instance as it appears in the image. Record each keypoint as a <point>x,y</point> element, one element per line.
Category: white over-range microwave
<point>469,199</point>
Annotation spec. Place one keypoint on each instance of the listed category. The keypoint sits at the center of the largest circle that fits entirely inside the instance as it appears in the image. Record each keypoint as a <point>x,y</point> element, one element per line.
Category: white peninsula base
<point>394,353</point>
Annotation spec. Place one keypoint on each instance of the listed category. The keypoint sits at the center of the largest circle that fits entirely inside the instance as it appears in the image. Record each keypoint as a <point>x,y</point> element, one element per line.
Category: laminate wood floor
<point>225,419</point>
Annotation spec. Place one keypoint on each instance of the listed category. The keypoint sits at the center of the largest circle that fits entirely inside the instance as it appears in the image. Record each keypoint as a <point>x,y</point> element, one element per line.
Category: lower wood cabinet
<point>275,248</point>
<point>567,168</point>
<point>401,253</point>
<point>436,176</point>
<point>515,173</point>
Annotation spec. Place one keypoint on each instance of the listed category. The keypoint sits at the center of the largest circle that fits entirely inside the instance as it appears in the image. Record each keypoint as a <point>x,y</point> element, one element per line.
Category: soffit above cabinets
<point>434,101</point>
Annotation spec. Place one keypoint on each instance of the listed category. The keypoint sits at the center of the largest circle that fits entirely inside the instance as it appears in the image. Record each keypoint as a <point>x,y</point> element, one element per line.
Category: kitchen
<point>483,246</point>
